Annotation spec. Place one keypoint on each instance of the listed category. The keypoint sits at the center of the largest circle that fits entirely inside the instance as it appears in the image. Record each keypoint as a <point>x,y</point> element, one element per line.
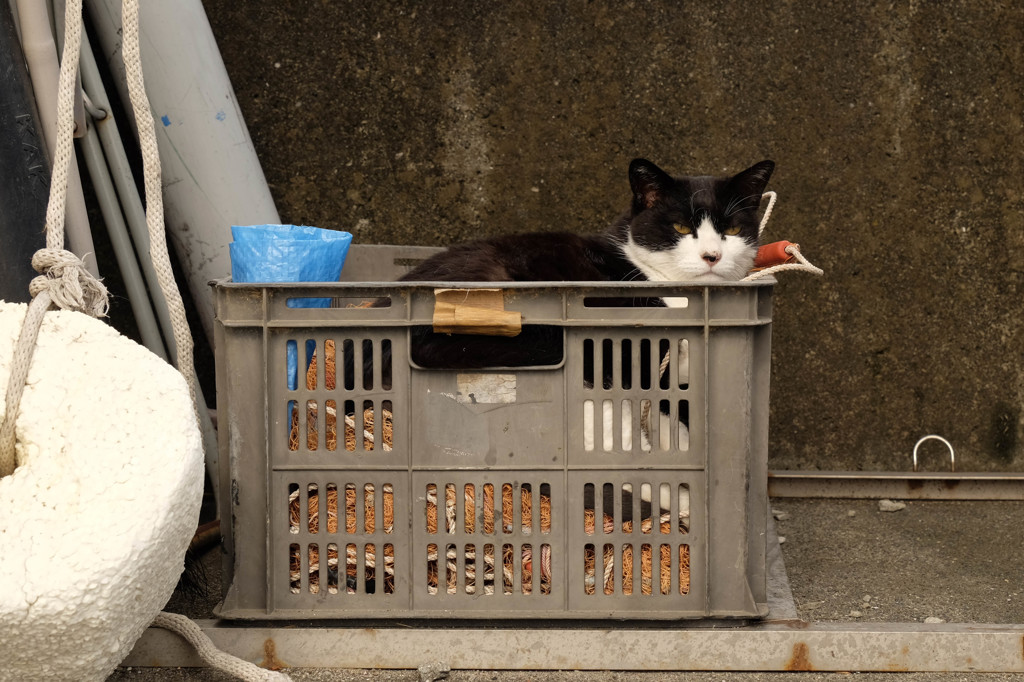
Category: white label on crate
<point>486,388</point>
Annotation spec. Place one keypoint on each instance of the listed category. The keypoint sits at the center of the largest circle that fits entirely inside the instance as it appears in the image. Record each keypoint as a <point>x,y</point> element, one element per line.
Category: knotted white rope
<point>66,283</point>
<point>793,250</point>
<point>64,280</point>
<point>801,264</point>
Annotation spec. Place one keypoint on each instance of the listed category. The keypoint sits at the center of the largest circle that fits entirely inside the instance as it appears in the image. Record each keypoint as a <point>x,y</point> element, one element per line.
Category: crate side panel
<point>337,396</point>
<point>731,463</point>
<point>637,543</point>
<point>339,543</point>
<point>383,262</point>
<point>488,418</point>
<point>243,463</point>
<point>488,543</point>
<point>757,490</point>
<point>636,397</point>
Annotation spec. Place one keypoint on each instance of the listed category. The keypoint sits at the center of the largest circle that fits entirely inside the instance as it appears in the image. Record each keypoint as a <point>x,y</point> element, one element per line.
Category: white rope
<point>793,250</point>
<point>211,655</point>
<point>801,264</point>
<point>645,412</point>
<point>154,193</point>
<point>64,280</point>
<point>767,212</point>
<point>182,336</point>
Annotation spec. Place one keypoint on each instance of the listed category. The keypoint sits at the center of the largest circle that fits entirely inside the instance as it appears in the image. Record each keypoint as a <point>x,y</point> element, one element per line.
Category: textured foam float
<point>95,521</point>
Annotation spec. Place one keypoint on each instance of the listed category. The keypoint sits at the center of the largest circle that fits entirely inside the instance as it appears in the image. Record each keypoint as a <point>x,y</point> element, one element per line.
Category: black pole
<point>24,170</point>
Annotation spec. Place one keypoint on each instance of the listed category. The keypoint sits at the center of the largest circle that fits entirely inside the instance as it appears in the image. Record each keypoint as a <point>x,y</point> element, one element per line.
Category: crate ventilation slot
<point>625,381</point>
<point>653,558</point>
<point>351,567</point>
<point>365,425</point>
<point>513,564</point>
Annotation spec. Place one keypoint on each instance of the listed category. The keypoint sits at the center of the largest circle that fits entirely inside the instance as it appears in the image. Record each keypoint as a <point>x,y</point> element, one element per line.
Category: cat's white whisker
<point>737,203</point>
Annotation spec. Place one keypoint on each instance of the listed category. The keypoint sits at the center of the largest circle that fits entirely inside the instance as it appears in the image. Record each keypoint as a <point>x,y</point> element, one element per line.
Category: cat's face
<point>697,228</point>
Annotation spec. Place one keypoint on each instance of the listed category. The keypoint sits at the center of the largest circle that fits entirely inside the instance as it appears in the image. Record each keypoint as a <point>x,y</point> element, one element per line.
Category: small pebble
<point>851,513</point>
<point>782,541</point>
<point>866,597</point>
<point>933,619</point>
<point>856,614</point>
<point>890,506</point>
<point>780,515</point>
<point>434,671</point>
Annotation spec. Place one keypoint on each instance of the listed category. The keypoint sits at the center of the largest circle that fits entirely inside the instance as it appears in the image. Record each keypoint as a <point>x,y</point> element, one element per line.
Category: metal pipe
<point>124,182</point>
<point>44,70</point>
<point>23,167</point>
<point>131,204</point>
<point>212,177</point>
<point>106,197</point>
<point>897,485</point>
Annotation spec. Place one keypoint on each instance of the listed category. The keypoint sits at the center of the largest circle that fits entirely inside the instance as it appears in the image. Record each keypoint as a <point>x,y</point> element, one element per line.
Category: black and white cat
<point>685,229</point>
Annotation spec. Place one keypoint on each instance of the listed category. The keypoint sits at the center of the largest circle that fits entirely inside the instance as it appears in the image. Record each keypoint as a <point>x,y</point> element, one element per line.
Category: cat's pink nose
<point>711,257</point>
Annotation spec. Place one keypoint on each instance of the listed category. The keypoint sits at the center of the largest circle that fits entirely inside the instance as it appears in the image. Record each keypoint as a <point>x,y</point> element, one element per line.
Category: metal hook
<point>952,455</point>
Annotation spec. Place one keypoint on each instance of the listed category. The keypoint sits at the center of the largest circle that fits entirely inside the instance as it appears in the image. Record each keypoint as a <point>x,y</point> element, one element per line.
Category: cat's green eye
<point>681,229</point>
<point>732,230</point>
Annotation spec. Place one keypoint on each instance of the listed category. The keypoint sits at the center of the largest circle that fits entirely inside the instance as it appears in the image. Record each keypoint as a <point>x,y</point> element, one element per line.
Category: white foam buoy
<point>95,520</point>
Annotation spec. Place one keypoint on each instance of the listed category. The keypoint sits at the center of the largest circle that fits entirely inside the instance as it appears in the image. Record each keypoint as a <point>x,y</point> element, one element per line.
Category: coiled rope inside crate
<point>332,524</point>
<point>488,527</point>
<point>331,415</point>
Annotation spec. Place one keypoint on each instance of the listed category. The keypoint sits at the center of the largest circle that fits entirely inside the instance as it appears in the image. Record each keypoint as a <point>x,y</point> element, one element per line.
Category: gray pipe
<point>119,170</point>
<point>127,190</point>
<point>106,197</point>
<point>44,70</point>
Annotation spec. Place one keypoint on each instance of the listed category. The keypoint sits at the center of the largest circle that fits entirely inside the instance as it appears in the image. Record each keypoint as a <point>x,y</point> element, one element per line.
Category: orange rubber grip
<point>773,254</point>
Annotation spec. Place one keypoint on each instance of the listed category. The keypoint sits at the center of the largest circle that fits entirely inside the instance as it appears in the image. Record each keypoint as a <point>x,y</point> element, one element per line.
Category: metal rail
<point>770,646</point>
<point>897,485</point>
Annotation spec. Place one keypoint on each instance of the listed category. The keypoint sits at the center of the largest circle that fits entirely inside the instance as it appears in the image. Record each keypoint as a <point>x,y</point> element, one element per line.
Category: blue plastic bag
<point>288,253</point>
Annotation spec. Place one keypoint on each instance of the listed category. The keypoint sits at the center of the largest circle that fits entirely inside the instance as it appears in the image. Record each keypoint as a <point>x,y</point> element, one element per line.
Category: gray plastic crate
<point>565,491</point>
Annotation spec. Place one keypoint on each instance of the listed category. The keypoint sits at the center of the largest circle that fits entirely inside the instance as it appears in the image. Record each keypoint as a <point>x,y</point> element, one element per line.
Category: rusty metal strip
<point>793,645</point>
<point>897,485</point>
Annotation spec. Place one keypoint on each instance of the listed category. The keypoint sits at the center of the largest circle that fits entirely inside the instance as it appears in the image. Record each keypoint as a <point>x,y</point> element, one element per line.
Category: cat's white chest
<point>676,301</point>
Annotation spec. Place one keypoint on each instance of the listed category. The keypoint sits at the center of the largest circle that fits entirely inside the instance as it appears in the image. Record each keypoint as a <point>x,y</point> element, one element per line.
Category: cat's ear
<point>748,186</point>
<point>649,183</point>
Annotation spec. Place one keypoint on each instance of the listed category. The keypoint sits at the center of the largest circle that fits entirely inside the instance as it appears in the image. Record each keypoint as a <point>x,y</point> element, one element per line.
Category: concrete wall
<point>896,127</point>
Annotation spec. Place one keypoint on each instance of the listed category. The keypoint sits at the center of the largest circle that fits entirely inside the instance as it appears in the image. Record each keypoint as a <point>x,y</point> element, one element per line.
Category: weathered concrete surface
<point>846,561</point>
<point>897,129</point>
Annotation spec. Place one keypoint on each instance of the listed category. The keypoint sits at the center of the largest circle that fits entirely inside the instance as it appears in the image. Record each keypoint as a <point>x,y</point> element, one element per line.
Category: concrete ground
<point>846,561</point>
<point>194,675</point>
